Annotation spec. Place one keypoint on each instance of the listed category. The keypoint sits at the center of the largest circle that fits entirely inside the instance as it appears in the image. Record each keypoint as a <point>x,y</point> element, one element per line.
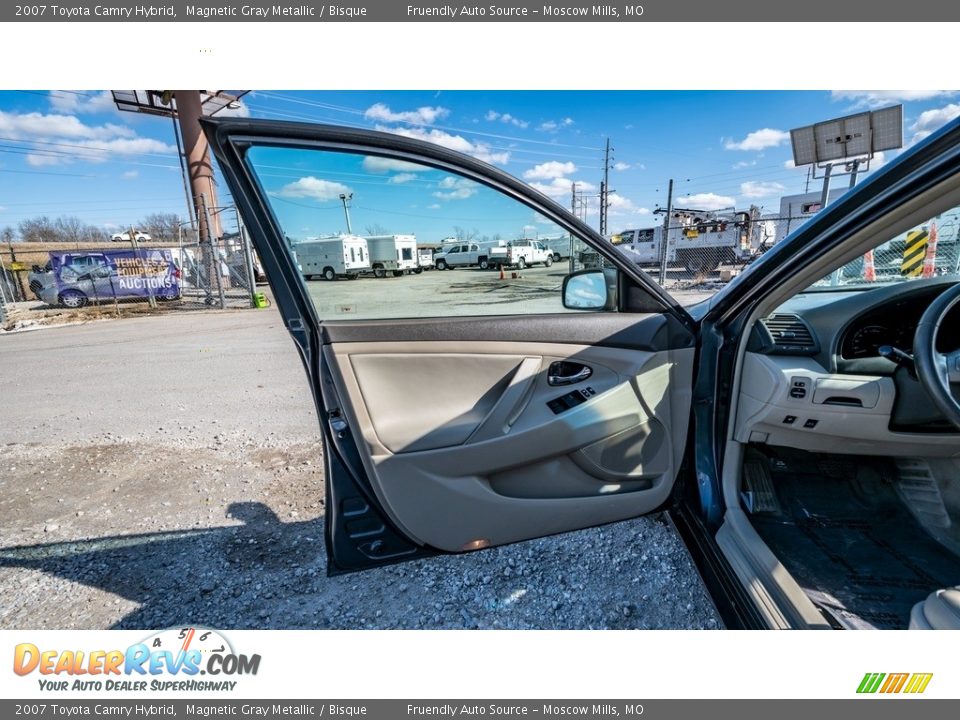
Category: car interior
<point>842,477</point>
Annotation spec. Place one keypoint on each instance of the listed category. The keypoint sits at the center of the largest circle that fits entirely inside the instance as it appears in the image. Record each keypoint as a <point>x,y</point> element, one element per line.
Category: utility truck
<point>332,257</point>
<point>700,240</point>
<point>520,254</point>
<point>396,254</point>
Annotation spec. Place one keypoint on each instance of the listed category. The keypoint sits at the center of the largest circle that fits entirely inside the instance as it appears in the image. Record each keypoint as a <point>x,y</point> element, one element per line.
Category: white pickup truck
<point>521,254</point>
<point>465,254</point>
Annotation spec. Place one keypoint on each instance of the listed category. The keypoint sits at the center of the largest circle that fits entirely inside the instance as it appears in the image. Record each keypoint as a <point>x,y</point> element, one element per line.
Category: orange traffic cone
<point>869,271</point>
<point>501,271</point>
<point>930,259</point>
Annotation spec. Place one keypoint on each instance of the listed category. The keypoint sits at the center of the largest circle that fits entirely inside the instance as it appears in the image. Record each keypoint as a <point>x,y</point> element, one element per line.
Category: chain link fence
<point>702,254</point>
<point>42,282</point>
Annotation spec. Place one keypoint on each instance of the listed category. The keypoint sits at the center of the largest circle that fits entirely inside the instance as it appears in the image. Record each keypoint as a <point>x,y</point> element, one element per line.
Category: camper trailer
<point>392,253</point>
<point>332,257</point>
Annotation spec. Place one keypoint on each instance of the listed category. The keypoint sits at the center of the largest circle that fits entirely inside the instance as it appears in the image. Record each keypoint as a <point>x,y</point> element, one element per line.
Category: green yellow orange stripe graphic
<point>889,683</point>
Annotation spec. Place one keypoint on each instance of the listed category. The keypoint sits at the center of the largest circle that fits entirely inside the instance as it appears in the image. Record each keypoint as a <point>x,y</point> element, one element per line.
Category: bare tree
<point>376,229</point>
<point>464,235</point>
<point>39,229</point>
<point>69,229</point>
<point>161,226</point>
<point>7,234</point>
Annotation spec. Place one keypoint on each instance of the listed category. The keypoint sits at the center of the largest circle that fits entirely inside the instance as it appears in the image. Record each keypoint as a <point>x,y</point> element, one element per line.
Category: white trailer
<point>559,247</point>
<point>332,257</point>
<point>392,253</point>
<point>796,210</point>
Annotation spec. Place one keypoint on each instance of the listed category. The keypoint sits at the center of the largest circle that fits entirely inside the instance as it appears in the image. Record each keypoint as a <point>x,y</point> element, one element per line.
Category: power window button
<point>789,419</point>
<point>799,387</point>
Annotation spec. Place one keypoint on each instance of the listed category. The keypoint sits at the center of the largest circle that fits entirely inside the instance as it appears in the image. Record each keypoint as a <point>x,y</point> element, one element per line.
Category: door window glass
<point>320,195</point>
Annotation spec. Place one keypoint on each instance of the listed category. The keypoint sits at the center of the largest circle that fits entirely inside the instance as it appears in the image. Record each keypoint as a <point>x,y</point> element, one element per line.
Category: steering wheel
<point>936,370</point>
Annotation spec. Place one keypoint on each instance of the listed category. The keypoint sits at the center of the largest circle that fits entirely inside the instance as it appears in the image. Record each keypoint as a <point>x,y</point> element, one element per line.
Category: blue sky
<point>72,153</point>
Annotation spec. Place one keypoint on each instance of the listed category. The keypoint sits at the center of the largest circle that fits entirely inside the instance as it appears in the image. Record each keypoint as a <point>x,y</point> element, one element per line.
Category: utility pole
<point>666,235</point>
<point>605,190</point>
<point>573,211</point>
<point>346,210</point>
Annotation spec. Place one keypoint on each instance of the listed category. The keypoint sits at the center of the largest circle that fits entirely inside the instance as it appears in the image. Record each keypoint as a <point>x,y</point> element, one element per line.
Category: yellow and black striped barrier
<point>913,253</point>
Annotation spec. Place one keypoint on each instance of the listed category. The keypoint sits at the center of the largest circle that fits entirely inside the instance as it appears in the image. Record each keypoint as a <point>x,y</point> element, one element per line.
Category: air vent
<point>789,332</point>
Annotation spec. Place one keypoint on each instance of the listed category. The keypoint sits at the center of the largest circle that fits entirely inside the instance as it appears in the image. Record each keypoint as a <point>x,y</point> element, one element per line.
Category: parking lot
<point>464,291</point>
<point>167,469</point>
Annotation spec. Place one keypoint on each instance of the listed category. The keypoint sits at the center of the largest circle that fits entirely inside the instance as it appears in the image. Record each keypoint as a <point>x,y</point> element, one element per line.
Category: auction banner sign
<point>105,274</point>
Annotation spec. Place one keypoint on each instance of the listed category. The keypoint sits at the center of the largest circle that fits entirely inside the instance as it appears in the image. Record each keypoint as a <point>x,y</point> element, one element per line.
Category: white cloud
<point>743,164</point>
<point>621,166</point>
<point>130,175</point>
<point>72,102</point>
<point>619,205</point>
<point>561,187</point>
<point>314,188</point>
<point>380,165</point>
<point>932,120</point>
<point>433,206</point>
<point>550,170</point>
<point>706,201</point>
<point>38,125</point>
<point>39,160</point>
<point>481,151</point>
<point>789,164</point>
<point>494,116</point>
<point>425,115</point>
<point>754,189</point>
<point>759,140</point>
<point>554,125</point>
<point>456,188</point>
<point>401,178</point>
<point>879,98</point>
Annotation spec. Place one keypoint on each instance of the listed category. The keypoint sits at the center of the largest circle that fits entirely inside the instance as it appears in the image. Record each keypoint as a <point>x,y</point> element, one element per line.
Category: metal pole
<point>824,200</point>
<point>664,238</point>
<point>573,210</point>
<point>855,167</point>
<point>346,211</point>
<point>825,193</point>
<point>191,206</point>
<point>215,255</point>
<point>247,258</point>
<point>605,190</point>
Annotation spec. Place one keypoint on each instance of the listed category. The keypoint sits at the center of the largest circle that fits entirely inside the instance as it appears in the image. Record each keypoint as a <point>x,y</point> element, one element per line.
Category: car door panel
<point>438,433</point>
<point>491,463</point>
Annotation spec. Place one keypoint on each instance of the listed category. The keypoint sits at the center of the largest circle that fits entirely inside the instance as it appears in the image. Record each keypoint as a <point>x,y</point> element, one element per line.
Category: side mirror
<point>592,289</point>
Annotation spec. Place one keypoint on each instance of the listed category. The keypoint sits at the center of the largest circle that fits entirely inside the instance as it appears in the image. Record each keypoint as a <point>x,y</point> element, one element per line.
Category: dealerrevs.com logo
<point>891,683</point>
<point>181,659</point>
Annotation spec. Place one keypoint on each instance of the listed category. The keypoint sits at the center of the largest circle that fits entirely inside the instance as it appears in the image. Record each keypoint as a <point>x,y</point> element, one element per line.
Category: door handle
<point>567,373</point>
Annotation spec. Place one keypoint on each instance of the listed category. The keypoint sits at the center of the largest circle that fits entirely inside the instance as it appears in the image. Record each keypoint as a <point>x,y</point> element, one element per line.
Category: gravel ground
<point>167,470</point>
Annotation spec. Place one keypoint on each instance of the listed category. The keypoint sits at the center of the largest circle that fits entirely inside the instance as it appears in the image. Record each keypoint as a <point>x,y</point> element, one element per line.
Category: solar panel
<point>853,136</point>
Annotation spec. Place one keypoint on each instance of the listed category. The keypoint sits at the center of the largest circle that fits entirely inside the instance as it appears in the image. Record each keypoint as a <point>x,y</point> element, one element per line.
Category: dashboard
<point>848,326</point>
<point>813,377</point>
